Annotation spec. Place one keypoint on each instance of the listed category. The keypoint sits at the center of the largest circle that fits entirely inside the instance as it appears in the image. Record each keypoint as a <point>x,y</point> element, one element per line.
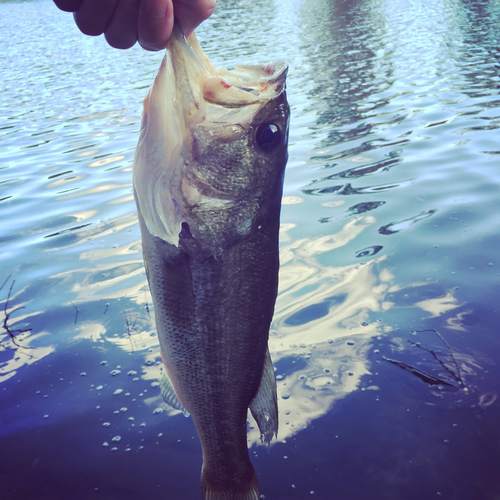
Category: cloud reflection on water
<point>325,352</point>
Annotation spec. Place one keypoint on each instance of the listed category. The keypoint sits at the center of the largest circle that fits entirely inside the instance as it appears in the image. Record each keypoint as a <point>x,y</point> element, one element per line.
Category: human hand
<point>125,22</point>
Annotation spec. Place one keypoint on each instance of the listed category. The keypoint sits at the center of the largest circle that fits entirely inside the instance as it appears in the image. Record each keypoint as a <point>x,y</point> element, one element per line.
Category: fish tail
<point>248,491</point>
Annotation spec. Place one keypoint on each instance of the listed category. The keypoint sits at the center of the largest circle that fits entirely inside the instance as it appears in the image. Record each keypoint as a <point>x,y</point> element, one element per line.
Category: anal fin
<point>264,405</point>
<point>168,394</point>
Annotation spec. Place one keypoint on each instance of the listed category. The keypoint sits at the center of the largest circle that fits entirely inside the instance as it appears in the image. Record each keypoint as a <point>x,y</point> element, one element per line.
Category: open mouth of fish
<point>191,106</point>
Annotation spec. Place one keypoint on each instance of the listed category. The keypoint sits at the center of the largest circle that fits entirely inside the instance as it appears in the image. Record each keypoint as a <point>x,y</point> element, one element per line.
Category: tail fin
<point>249,491</point>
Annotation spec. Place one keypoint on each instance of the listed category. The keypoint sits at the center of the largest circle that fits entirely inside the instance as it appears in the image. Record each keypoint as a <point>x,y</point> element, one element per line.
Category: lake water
<point>386,334</point>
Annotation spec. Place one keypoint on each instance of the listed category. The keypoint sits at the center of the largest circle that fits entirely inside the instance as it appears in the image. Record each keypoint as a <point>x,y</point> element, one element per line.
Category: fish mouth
<point>199,82</point>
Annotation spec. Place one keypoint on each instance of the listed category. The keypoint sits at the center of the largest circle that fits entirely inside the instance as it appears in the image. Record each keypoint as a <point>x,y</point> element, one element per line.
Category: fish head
<point>213,148</point>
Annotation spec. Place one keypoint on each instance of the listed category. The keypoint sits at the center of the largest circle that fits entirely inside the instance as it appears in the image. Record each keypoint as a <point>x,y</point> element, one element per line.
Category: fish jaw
<point>197,163</point>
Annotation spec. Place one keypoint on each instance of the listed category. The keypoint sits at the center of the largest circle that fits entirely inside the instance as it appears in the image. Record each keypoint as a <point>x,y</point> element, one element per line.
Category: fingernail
<point>155,8</point>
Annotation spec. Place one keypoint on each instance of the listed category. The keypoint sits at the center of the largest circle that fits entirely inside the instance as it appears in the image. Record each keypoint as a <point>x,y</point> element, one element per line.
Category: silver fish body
<point>208,176</point>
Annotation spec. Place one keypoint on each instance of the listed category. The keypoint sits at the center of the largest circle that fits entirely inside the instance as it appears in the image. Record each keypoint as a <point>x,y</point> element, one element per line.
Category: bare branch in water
<point>106,308</point>
<point>76,313</point>
<point>457,376</point>
<point>425,377</point>
<point>5,282</point>
<point>130,328</point>
<point>147,305</point>
<point>8,314</point>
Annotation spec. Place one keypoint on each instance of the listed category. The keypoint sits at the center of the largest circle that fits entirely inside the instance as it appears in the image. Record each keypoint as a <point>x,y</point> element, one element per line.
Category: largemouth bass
<point>208,177</point>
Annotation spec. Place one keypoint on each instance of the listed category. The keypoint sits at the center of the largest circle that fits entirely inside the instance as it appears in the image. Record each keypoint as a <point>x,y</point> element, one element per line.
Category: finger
<point>121,32</point>
<point>93,16</point>
<point>68,5</point>
<point>154,26</point>
<point>191,13</point>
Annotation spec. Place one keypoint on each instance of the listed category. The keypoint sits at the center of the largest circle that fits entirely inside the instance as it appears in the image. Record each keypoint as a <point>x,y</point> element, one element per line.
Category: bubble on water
<point>132,373</point>
<point>83,374</point>
<point>330,341</point>
<point>285,395</point>
<point>105,444</point>
<point>123,409</point>
<point>131,419</point>
<point>279,377</point>
<point>149,362</point>
<point>143,424</point>
<point>157,411</point>
<point>45,416</point>
<point>114,449</point>
<point>350,342</point>
<point>364,323</point>
<point>160,435</point>
<point>118,391</point>
<point>302,345</point>
<point>99,388</point>
<point>46,396</point>
<point>155,384</point>
<point>113,373</point>
<point>106,424</point>
<point>104,362</point>
<point>116,439</point>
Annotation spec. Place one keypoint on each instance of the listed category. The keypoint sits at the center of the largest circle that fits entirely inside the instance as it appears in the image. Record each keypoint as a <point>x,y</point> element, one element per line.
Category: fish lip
<point>198,82</point>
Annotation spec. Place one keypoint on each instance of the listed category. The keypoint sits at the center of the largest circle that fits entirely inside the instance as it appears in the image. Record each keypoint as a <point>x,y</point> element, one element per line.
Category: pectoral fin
<point>168,394</point>
<point>264,406</point>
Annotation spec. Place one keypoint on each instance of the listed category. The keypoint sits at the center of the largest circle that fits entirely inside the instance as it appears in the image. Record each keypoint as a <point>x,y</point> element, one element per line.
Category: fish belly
<point>213,317</point>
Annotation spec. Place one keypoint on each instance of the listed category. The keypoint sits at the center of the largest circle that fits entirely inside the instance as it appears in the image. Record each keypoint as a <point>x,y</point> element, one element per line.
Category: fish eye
<point>268,136</point>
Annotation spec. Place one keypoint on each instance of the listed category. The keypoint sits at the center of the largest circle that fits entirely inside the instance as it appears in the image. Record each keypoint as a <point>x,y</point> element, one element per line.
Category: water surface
<point>385,338</point>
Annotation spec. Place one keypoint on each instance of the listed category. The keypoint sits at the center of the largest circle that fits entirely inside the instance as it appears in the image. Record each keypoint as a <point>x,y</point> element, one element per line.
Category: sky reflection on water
<point>389,233</point>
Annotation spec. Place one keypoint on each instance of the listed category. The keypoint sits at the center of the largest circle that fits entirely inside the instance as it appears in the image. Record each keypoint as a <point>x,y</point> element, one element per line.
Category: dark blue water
<point>385,338</point>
